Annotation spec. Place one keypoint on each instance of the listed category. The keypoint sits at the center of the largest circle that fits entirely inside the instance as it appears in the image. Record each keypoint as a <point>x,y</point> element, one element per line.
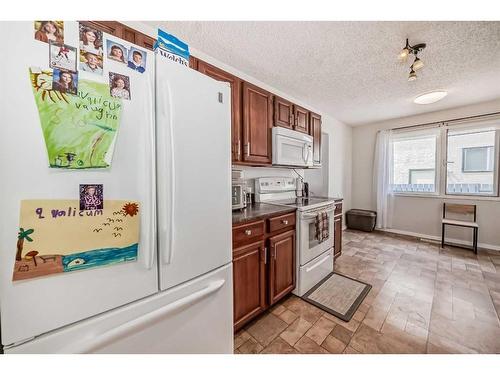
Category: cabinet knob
<point>285,222</point>
<point>248,232</point>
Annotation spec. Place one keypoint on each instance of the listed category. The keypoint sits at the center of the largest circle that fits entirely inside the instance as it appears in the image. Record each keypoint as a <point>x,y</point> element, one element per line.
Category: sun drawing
<point>130,209</point>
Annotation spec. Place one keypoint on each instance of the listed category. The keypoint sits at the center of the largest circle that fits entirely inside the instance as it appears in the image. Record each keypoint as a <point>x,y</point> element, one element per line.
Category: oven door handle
<point>312,216</point>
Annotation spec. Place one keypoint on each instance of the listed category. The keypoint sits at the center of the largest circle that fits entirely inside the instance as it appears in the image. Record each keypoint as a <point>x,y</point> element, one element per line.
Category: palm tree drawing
<point>22,235</point>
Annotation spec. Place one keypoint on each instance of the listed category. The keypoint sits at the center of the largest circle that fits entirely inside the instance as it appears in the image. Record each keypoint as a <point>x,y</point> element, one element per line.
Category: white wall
<point>340,134</point>
<point>340,163</point>
<point>420,215</point>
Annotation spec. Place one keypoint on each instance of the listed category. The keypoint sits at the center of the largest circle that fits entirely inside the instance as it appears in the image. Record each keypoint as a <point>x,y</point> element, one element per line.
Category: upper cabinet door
<point>235,82</point>
<point>257,124</point>
<point>315,127</point>
<point>301,119</point>
<point>283,113</point>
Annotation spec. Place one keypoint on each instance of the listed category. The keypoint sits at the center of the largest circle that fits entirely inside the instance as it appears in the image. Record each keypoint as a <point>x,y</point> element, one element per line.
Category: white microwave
<point>292,148</point>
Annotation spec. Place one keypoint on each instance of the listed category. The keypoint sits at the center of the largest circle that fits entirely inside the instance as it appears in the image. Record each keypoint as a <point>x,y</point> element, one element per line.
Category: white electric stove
<point>314,258</point>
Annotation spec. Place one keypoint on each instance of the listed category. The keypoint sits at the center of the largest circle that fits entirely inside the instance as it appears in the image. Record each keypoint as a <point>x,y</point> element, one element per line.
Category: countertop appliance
<point>292,148</point>
<point>238,191</point>
<point>315,259</point>
<point>177,296</point>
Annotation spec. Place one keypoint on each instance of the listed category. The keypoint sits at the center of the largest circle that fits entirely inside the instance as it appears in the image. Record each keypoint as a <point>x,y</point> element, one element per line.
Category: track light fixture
<point>417,63</point>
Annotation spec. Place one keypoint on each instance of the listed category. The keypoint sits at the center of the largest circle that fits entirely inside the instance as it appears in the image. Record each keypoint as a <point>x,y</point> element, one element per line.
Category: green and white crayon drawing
<point>79,130</point>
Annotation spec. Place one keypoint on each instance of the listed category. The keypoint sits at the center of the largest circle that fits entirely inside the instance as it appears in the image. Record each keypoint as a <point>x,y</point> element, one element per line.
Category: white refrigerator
<point>172,154</point>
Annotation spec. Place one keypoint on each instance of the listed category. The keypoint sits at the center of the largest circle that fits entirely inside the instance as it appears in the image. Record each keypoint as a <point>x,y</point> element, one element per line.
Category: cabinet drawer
<point>280,222</point>
<point>245,233</point>
<point>338,208</point>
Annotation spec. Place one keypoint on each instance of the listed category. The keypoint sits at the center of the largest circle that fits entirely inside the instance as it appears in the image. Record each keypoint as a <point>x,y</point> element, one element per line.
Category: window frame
<point>442,129</point>
<point>421,133</point>
<point>496,159</point>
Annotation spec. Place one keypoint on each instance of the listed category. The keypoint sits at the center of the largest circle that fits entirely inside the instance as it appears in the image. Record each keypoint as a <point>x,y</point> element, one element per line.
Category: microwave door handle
<point>304,149</point>
<point>306,159</point>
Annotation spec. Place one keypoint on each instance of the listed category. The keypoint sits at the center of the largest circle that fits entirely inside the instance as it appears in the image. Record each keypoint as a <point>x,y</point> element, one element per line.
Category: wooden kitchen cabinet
<point>249,282</point>
<point>248,232</point>
<point>337,230</point>
<point>315,132</point>
<point>281,265</point>
<point>193,62</point>
<point>235,82</point>
<point>263,264</point>
<point>301,119</point>
<point>257,124</point>
<point>283,113</point>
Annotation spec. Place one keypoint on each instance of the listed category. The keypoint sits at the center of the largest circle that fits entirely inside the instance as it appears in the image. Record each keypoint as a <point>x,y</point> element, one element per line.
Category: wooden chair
<point>464,209</point>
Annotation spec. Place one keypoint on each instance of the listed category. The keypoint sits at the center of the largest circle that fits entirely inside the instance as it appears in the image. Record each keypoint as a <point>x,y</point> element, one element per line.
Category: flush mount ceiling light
<point>430,97</point>
<point>417,63</point>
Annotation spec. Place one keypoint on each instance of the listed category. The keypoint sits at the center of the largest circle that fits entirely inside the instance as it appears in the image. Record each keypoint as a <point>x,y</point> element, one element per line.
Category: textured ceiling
<point>350,69</point>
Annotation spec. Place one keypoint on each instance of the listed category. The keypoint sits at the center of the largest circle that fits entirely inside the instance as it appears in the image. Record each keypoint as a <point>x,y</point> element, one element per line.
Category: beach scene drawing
<point>79,130</point>
<point>55,236</point>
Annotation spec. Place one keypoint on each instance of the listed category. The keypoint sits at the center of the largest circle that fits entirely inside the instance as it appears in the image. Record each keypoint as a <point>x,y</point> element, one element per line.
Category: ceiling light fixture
<point>417,63</point>
<point>403,55</point>
<point>412,76</point>
<point>430,97</point>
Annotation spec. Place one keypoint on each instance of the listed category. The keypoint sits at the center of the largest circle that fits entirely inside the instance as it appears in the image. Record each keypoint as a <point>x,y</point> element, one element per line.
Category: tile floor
<point>424,300</point>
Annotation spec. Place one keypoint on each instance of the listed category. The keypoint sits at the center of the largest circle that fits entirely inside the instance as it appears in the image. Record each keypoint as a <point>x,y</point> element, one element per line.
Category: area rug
<point>338,295</point>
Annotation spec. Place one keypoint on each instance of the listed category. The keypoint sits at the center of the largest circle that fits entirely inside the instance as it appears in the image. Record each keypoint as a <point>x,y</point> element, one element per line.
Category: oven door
<point>309,246</point>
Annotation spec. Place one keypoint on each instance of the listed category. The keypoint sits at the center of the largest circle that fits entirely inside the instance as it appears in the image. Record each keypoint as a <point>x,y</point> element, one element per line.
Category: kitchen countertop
<point>257,211</point>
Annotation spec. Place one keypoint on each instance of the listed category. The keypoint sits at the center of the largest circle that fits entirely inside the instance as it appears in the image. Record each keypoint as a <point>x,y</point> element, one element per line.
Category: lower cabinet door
<point>249,279</point>
<point>282,265</point>
<point>337,229</point>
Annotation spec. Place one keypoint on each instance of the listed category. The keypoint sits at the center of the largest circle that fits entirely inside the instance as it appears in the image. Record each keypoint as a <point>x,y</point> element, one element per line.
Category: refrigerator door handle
<point>92,344</point>
<point>149,258</point>
<point>168,252</point>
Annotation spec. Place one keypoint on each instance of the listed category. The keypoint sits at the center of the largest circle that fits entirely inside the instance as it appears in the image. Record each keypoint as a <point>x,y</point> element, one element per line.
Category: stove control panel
<point>275,184</point>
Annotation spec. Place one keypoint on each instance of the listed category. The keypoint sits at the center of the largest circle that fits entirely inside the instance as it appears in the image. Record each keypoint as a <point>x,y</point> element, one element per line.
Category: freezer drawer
<point>313,272</point>
<point>194,317</point>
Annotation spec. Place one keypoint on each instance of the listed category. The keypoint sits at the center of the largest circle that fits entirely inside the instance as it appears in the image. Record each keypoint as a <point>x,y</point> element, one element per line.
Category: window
<point>470,161</point>
<point>459,159</point>
<point>414,157</point>
<point>478,159</point>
